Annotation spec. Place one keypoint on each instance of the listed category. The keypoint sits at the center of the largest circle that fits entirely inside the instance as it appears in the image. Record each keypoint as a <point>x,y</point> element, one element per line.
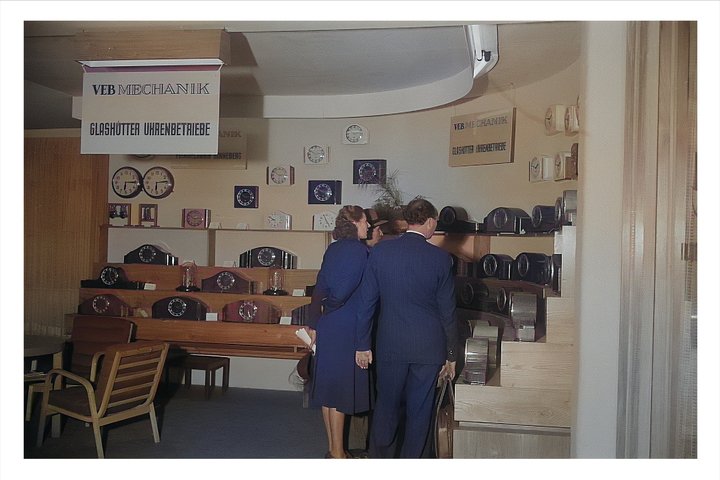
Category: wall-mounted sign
<point>151,107</point>
<point>482,138</point>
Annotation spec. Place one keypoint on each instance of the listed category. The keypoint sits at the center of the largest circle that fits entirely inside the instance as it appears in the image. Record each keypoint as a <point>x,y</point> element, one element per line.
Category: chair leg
<point>207,383</point>
<point>154,424</point>
<point>226,376</point>
<point>188,377</point>
<point>41,422</point>
<point>98,440</point>
<point>31,394</point>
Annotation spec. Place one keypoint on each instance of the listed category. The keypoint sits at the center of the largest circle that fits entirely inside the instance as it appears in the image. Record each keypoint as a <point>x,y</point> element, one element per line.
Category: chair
<point>90,336</point>
<point>126,388</point>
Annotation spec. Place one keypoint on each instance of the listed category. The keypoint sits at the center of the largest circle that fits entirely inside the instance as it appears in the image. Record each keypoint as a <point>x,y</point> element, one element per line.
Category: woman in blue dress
<point>340,387</point>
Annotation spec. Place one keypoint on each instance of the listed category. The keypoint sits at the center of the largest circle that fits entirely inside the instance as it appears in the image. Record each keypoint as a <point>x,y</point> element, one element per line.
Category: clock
<point>246,196</point>
<point>267,257</point>
<point>127,182</point>
<point>565,167</point>
<point>150,254</point>
<point>195,218</point>
<point>543,218</point>
<point>251,311</point>
<point>506,220</point>
<point>105,304</point>
<point>317,154</point>
<point>554,119</point>
<point>355,135</point>
<point>111,277</point>
<point>278,221</point>
<point>324,221</point>
<point>536,169</point>
<point>369,171</point>
<point>225,282</point>
<point>281,175</point>
<point>179,308</point>
<point>158,182</point>
<point>326,192</point>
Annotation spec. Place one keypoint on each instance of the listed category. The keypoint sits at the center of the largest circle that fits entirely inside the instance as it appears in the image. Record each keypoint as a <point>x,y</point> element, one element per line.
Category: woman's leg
<point>337,427</point>
<point>326,421</point>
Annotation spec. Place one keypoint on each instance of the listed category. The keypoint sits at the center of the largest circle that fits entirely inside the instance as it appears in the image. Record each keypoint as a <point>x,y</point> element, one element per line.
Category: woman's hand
<point>363,359</point>
<point>312,334</point>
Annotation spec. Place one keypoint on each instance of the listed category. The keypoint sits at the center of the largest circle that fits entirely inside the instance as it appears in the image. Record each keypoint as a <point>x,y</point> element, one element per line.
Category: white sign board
<point>151,109</point>
<point>482,138</point>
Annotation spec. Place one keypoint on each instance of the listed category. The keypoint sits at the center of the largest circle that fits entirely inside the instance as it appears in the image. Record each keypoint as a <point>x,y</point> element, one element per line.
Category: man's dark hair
<point>418,211</point>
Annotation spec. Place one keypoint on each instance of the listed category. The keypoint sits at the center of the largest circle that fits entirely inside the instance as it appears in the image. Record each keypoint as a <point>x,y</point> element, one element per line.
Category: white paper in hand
<point>303,335</point>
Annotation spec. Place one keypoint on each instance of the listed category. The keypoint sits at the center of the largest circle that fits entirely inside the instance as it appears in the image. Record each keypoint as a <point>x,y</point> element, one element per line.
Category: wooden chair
<point>126,388</point>
<point>90,336</point>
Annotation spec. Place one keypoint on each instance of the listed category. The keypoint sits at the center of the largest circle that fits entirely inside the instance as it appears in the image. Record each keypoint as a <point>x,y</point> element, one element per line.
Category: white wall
<point>599,252</point>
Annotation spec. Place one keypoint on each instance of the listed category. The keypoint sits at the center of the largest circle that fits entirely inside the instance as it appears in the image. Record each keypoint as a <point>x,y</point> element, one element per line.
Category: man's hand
<point>447,371</point>
<point>363,359</point>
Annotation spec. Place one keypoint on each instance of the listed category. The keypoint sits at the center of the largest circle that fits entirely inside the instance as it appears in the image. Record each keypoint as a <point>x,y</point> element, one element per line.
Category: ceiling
<point>275,63</point>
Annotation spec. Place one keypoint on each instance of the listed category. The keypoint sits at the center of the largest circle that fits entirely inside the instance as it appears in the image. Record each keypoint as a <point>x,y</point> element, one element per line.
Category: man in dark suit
<point>416,330</point>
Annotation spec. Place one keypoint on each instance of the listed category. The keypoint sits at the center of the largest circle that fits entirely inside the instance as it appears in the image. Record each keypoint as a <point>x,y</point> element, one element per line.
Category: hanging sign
<point>151,107</point>
<point>482,138</point>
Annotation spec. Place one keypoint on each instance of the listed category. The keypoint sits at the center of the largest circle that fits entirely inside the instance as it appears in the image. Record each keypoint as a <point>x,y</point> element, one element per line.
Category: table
<point>41,345</point>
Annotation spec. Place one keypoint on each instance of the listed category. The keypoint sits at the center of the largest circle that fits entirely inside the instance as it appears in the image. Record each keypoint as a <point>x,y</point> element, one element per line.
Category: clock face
<point>323,192</point>
<point>355,134</point>
<point>247,311</point>
<point>559,164</point>
<point>109,275</point>
<point>324,221</point>
<point>147,253</point>
<point>127,182</point>
<point>500,218</point>
<point>536,169</point>
<point>489,266</point>
<point>225,280</point>
<point>246,197</point>
<point>316,154</point>
<point>194,218</point>
<point>367,172</point>
<point>448,215</point>
<point>100,303</point>
<point>266,256</point>
<point>158,182</point>
<point>281,175</point>
<point>278,221</point>
<point>177,307</point>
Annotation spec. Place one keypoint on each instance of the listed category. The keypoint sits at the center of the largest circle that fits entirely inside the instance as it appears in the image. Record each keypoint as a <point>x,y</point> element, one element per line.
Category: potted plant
<point>389,203</point>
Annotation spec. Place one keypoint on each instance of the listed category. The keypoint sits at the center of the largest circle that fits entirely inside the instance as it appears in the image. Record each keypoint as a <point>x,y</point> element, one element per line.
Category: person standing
<point>339,386</point>
<point>416,331</point>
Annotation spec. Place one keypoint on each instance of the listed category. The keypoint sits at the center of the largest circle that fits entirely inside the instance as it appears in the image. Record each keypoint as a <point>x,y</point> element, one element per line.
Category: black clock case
<point>161,256</point>
<point>455,220</point>
<point>121,283</point>
<point>116,307</point>
<point>494,265</point>
<point>210,284</point>
<point>195,309</point>
<point>335,199</point>
<point>514,220</point>
<point>283,259</point>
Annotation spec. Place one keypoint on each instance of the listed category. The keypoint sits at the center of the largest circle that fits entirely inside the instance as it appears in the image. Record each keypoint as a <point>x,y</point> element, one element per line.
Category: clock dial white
<point>280,175</point>
<point>316,154</point>
<point>355,135</point>
<point>536,169</point>
<point>324,221</point>
<point>158,182</point>
<point>127,182</point>
<point>323,192</point>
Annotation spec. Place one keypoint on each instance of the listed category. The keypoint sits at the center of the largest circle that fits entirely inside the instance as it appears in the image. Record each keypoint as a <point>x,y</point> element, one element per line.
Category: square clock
<point>369,171</point>
<point>245,196</point>
<point>325,192</point>
<point>195,218</point>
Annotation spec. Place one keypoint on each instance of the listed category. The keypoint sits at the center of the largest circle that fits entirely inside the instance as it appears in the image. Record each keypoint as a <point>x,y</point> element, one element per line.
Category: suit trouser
<point>411,385</point>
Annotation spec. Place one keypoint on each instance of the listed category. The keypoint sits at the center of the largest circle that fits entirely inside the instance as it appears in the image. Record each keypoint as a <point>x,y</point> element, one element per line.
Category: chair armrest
<point>55,372</point>
<point>93,366</point>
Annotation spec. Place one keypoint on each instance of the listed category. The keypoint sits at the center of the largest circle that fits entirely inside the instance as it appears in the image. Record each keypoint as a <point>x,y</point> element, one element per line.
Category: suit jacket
<point>412,279</point>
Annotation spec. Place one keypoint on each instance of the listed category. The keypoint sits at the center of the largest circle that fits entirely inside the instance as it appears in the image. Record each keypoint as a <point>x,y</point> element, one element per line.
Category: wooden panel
<point>152,44</point>
<point>518,406</point>
<point>65,202</point>
<point>560,320</point>
<point>537,365</point>
<point>467,247</point>
<point>470,442</point>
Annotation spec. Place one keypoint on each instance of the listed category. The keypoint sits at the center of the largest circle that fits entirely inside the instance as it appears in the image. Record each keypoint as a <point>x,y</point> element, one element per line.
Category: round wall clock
<point>127,182</point>
<point>355,134</point>
<point>158,182</point>
<point>281,175</point>
<point>316,155</point>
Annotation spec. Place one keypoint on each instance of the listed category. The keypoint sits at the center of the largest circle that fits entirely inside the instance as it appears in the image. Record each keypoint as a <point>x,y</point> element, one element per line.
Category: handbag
<point>444,420</point>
